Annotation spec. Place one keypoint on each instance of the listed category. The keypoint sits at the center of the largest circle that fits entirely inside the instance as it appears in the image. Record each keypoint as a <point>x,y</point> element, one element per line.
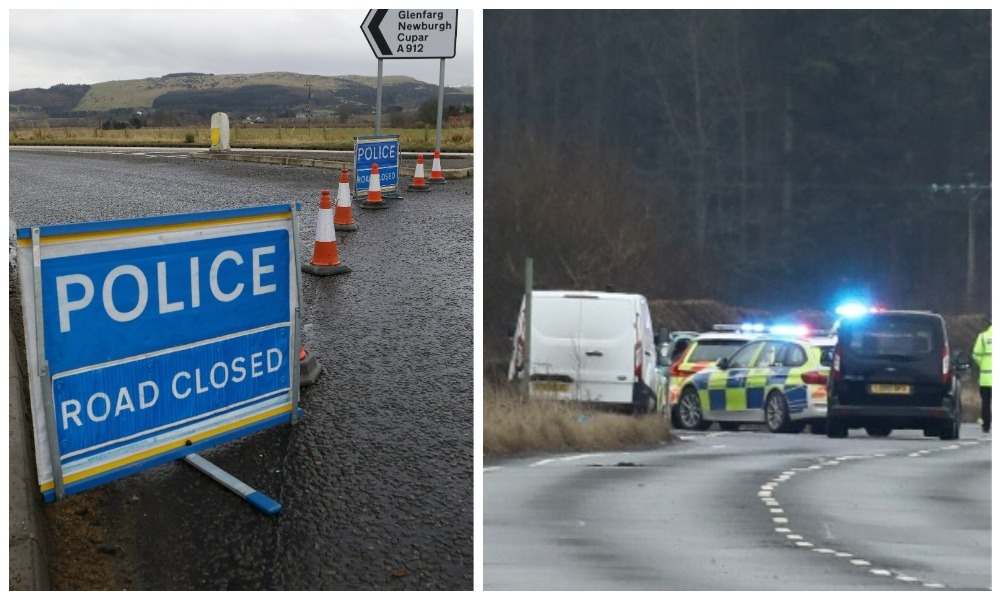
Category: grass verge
<point>514,425</point>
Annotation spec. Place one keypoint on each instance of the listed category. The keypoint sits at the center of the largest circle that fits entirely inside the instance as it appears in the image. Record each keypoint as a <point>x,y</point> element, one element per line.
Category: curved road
<point>746,510</point>
<point>376,480</point>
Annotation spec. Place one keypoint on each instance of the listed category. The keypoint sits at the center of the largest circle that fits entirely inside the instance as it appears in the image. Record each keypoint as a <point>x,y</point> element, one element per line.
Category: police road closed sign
<point>149,339</point>
<point>382,151</point>
<point>407,33</point>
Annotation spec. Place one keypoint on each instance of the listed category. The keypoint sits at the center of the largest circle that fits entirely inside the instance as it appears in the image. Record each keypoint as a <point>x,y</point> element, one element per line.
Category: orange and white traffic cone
<point>374,199</point>
<point>309,368</point>
<point>419,185</point>
<point>325,260</point>
<point>342,218</point>
<point>436,175</point>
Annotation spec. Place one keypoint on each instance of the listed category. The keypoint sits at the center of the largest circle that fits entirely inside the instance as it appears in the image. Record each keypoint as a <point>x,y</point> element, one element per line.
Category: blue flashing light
<point>852,310</point>
<point>794,330</point>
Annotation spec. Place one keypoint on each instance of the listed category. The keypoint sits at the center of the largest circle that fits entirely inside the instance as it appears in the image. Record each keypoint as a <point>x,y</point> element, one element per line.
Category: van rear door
<point>894,359</point>
<point>585,341</point>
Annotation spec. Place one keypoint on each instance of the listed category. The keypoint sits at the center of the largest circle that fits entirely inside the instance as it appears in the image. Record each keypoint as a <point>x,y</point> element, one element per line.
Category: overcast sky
<point>49,47</point>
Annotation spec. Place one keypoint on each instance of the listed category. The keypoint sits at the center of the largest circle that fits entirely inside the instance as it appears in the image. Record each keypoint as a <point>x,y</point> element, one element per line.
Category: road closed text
<point>122,400</point>
<point>102,405</point>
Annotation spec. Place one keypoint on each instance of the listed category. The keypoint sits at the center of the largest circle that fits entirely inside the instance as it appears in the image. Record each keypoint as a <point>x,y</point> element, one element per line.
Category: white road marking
<point>766,496</point>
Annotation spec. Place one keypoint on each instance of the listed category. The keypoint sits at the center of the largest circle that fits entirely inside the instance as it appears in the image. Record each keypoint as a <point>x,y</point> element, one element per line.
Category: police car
<point>703,351</point>
<point>778,379</point>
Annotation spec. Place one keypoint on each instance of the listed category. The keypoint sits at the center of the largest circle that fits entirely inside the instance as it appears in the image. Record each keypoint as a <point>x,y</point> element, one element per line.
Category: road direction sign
<point>150,339</point>
<point>405,33</point>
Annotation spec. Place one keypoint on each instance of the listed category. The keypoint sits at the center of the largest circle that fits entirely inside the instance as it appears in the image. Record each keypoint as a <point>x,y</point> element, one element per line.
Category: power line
<point>971,190</point>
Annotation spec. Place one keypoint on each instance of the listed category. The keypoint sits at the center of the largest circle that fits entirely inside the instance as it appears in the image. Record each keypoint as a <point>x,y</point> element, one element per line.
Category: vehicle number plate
<point>550,386</point>
<point>889,388</point>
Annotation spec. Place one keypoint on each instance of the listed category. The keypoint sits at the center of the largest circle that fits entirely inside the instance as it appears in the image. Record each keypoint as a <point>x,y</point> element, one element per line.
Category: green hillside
<point>201,92</point>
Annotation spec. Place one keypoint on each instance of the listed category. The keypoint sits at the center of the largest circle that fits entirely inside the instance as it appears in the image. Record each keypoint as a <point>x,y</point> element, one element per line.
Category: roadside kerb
<point>295,161</point>
<point>28,560</point>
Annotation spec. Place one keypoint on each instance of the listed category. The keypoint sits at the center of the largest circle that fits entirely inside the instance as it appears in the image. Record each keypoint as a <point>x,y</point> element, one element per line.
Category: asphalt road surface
<point>376,480</point>
<point>746,510</point>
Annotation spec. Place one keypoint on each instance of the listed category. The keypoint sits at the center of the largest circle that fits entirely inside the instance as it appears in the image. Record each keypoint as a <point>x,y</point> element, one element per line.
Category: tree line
<point>776,159</point>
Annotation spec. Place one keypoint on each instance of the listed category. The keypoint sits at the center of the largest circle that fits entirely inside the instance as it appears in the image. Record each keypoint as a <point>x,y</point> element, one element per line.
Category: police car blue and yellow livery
<point>779,381</point>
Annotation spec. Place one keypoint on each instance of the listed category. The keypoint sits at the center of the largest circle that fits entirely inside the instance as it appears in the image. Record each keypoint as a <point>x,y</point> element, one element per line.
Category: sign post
<point>150,339</point>
<point>404,33</point>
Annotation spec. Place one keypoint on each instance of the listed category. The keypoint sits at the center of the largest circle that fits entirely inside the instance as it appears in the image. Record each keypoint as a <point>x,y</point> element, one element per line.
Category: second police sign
<point>158,337</point>
<point>382,150</point>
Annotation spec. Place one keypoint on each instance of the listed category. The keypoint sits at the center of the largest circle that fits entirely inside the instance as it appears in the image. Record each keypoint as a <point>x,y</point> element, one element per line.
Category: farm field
<point>453,139</point>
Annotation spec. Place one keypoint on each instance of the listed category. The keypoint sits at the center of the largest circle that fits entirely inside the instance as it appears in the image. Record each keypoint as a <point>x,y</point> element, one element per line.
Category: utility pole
<point>529,286</point>
<point>309,104</point>
<point>972,191</point>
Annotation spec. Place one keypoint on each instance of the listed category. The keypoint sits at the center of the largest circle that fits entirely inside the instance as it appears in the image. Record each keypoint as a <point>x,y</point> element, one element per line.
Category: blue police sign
<point>149,339</point>
<point>382,150</point>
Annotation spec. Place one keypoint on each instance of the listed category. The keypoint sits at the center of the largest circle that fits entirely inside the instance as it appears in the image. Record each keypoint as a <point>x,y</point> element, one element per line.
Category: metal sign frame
<point>385,153</point>
<point>150,339</point>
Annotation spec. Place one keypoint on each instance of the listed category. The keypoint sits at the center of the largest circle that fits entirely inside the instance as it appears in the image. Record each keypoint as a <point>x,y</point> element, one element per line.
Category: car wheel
<point>729,426</point>
<point>950,430</point>
<point>878,430</point>
<point>835,429</point>
<point>776,412</point>
<point>689,408</point>
<point>675,417</point>
<point>643,400</point>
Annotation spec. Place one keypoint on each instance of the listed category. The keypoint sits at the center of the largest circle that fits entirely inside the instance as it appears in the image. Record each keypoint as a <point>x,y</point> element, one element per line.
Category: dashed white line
<point>767,491</point>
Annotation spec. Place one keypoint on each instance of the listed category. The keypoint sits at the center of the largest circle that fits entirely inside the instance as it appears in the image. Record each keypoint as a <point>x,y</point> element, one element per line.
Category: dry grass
<point>453,139</point>
<point>512,425</point>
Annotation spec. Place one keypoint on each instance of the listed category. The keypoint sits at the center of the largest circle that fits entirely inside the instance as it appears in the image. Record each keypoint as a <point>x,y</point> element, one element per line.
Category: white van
<point>591,347</point>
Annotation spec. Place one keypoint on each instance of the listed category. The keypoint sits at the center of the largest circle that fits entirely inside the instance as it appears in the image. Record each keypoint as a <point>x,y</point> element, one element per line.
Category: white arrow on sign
<point>405,33</point>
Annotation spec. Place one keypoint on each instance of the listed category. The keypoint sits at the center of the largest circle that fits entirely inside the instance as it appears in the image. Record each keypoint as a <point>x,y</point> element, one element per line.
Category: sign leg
<point>259,501</point>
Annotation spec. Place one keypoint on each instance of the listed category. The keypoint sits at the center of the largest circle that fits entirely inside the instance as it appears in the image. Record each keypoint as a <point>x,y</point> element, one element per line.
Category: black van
<point>893,370</point>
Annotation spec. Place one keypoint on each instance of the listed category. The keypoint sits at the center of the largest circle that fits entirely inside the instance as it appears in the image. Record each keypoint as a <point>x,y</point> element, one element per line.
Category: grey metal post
<point>437,143</point>
<point>296,341</point>
<point>48,402</point>
<point>528,285</point>
<point>378,101</point>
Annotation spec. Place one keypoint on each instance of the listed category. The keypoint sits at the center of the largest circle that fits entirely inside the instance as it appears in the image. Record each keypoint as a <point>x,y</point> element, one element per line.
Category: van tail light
<point>945,365</point>
<point>814,378</point>
<point>835,366</point>
<point>638,359</point>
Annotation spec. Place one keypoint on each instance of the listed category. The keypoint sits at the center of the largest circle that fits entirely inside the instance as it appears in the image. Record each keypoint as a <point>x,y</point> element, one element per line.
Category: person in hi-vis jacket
<point>982,353</point>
